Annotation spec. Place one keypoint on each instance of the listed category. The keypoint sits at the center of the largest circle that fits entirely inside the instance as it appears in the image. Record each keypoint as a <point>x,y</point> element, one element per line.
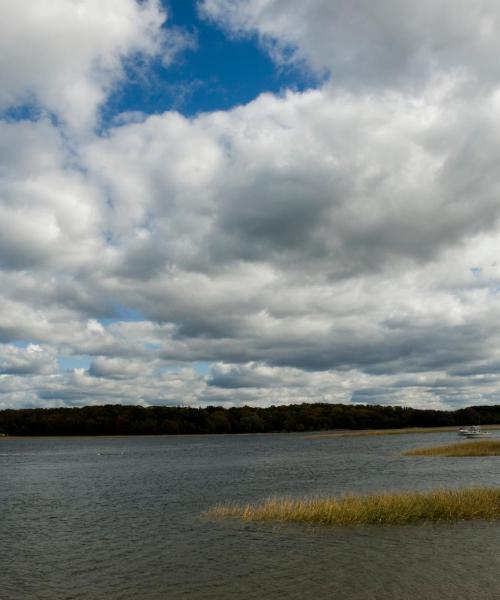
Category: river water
<point>121,519</point>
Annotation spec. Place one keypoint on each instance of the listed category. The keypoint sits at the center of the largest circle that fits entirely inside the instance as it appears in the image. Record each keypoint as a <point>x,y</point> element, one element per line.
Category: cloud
<point>336,244</point>
<point>32,360</point>
<point>242,376</point>
<point>367,45</point>
<point>116,368</point>
<point>65,56</point>
<point>372,275</point>
<point>47,207</point>
<point>344,183</point>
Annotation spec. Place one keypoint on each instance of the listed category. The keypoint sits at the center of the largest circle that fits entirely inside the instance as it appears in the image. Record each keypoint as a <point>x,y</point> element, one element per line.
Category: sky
<point>249,202</point>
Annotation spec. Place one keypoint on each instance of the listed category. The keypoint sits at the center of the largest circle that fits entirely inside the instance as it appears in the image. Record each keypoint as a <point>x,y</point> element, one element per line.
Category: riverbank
<point>334,433</point>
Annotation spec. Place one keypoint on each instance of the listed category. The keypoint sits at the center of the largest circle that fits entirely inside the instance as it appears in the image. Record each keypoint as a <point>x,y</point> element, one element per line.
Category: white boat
<point>473,432</point>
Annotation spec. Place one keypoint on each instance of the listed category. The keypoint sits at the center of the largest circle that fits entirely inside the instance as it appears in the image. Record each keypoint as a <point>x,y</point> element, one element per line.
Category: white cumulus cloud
<point>65,55</point>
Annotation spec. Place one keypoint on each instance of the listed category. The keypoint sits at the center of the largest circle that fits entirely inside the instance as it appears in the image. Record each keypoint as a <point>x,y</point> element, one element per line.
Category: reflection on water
<point>121,519</point>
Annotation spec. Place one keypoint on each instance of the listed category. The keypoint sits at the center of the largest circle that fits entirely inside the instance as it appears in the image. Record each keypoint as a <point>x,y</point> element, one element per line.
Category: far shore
<point>309,435</point>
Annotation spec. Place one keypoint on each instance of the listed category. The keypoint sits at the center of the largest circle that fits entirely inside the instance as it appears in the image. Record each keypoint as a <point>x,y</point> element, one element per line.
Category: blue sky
<point>249,202</point>
<point>221,71</point>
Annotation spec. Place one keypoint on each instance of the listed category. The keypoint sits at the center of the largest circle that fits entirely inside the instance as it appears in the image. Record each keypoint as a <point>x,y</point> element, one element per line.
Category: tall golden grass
<point>374,509</point>
<point>477,448</point>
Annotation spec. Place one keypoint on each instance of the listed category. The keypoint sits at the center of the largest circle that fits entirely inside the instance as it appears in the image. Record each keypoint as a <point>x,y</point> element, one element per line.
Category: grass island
<point>458,449</point>
<point>391,508</point>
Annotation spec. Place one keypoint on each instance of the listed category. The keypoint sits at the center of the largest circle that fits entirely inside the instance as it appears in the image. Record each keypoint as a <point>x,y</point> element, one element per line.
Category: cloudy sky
<point>249,202</point>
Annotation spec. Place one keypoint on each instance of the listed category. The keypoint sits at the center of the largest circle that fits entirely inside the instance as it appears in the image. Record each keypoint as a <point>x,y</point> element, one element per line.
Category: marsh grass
<point>477,448</point>
<point>369,432</point>
<point>374,509</point>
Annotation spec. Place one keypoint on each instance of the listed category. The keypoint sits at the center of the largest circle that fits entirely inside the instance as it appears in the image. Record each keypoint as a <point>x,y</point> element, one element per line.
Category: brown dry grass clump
<point>374,509</point>
<point>477,448</point>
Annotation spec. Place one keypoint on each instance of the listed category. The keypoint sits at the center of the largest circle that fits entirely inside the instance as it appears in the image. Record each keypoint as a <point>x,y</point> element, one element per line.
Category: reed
<point>374,509</point>
<point>477,448</point>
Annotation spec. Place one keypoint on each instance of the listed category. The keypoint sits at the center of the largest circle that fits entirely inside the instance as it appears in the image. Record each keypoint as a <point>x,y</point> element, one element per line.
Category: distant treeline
<point>118,419</point>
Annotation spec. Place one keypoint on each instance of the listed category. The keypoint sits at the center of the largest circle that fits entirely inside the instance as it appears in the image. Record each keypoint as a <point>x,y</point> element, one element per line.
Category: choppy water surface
<point>119,518</point>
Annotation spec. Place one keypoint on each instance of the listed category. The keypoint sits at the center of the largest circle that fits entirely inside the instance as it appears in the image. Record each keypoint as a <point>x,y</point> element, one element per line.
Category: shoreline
<point>309,435</point>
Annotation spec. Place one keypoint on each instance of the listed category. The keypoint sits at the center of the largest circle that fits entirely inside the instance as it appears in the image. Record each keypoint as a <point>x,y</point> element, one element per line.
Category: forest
<point>117,419</point>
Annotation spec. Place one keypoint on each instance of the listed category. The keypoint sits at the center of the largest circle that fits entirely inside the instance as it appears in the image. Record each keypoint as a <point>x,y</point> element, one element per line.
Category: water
<point>121,519</point>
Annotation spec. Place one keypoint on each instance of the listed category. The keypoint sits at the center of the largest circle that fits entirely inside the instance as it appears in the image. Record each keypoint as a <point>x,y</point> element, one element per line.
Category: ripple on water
<point>120,519</point>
